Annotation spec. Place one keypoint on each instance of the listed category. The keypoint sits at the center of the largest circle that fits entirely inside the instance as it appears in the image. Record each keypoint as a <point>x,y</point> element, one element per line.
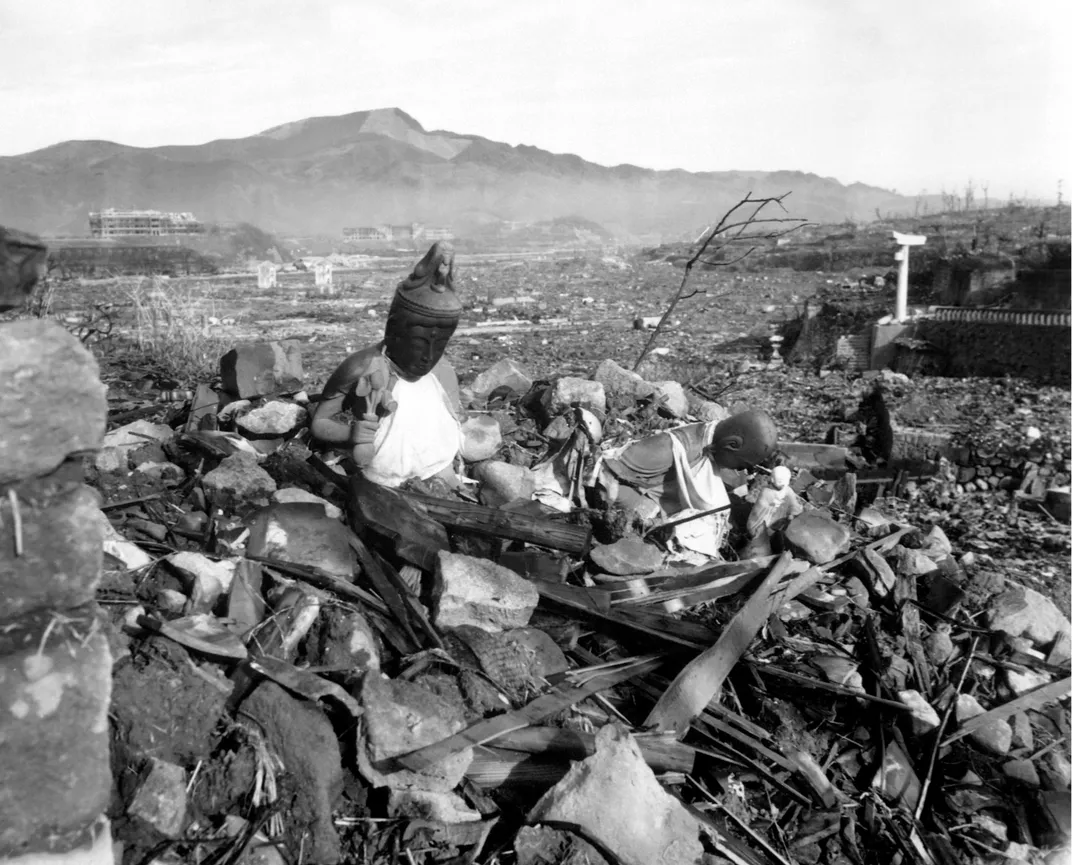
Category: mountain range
<point>316,176</point>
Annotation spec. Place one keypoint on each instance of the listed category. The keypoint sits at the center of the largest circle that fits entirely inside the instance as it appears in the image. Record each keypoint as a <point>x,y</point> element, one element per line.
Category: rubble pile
<point>311,668</point>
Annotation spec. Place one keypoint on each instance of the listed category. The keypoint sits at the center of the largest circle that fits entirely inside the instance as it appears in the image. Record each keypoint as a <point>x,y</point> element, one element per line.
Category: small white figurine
<point>776,505</point>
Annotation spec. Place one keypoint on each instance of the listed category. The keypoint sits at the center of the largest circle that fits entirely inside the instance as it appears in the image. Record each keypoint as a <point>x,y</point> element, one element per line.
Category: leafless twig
<point>717,239</point>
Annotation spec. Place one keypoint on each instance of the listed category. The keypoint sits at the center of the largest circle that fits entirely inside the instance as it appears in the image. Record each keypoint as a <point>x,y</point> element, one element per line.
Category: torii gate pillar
<point>906,241</point>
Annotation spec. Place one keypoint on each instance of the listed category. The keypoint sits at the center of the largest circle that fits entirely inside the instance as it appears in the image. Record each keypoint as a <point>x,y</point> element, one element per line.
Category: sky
<point>915,95</point>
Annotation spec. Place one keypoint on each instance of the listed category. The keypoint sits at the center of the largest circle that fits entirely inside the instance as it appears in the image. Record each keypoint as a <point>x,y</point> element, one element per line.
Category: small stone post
<point>55,664</point>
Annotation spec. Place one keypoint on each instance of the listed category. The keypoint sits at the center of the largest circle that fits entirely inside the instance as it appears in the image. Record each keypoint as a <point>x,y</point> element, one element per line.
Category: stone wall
<point>55,664</point>
<point>1038,352</point>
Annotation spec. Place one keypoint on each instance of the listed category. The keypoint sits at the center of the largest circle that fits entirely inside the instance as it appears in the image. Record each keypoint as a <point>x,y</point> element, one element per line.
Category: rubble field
<point>312,669</point>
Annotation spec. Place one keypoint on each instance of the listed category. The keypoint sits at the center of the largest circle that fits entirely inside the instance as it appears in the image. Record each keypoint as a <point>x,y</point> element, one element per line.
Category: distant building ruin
<point>415,232</point>
<point>142,223</point>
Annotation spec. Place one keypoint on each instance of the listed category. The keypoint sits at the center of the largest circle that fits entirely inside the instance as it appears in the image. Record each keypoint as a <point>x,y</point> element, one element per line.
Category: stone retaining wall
<point>55,663</point>
<point>1036,351</point>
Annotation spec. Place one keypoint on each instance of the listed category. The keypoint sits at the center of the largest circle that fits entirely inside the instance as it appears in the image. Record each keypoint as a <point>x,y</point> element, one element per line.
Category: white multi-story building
<point>112,222</point>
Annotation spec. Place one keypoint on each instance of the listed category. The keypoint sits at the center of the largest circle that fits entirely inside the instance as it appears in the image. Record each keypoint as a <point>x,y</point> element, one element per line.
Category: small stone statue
<point>776,505</point>
<point>404,394</point>
<point>682,468</point>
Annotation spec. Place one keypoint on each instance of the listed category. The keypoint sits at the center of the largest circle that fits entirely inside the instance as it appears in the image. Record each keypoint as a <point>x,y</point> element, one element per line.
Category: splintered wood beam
<point>497,523</point>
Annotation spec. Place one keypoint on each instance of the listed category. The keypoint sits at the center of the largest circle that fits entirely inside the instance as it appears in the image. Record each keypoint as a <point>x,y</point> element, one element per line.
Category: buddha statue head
<point>744,440</point>
<point>423,315</point>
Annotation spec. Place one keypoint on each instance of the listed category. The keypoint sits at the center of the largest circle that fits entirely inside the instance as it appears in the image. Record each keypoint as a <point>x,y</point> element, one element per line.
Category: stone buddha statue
<point>402,392</point>
<point>686,468</point>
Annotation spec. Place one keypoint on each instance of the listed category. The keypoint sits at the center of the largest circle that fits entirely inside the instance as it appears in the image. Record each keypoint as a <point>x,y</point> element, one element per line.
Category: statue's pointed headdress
<point>428,292</point>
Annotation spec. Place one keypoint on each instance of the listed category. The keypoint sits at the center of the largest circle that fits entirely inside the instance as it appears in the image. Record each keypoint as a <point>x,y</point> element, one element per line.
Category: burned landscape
<point>307,667</point>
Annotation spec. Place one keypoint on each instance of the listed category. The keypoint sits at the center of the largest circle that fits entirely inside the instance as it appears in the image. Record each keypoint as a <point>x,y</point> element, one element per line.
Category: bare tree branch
<point>728,230</point>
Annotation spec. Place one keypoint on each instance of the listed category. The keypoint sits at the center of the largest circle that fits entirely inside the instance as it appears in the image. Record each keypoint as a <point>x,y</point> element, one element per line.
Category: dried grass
<point>171,327</point>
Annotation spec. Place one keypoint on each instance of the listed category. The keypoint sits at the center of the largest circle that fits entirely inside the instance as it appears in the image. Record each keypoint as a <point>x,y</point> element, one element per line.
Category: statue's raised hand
<point>374,388</point>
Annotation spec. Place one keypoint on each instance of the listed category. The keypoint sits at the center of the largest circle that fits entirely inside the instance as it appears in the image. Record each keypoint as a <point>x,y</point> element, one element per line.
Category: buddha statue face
<point>423,314</point>
<point>743,440</point>
<point>415,345</point>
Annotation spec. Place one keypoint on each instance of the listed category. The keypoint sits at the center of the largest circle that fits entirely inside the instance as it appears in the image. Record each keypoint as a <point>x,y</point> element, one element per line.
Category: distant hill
<point>317,175</point>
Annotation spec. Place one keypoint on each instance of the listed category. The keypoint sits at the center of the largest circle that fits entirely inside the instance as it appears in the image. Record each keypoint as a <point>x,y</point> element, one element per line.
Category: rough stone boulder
<point>503,482</point>
<point>22,264</point>
<point>54,693</point>
<point>618,381</point>
<point>273,419</point>
<point>238,480</point>
<point>626,557</point>
<point>52,402</point>
<point>302,736</point>
<point>403,716</point>
<point>291,495</point>
<point>994,736</point>
<point>817,537</point>
<point>709,412</point>
<point>481,437</point>
<point>302,533</point>
<point>615,800</point>
<point>62,548</point>
<point>118,444</point>
<point>472,591</point>
<point>569,391</point>
<point>1020,611</point>
<point>505,373</point>
<point>262,369</point>
<point>673,397</point>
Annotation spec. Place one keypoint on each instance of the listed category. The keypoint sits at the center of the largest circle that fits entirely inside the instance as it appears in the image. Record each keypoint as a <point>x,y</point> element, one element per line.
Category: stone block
<point>817,537</point>
<point>262,369</point>
<point>62,548</point>
<point>55,778</point>
<point>302,533</point>
<point>52,402</point>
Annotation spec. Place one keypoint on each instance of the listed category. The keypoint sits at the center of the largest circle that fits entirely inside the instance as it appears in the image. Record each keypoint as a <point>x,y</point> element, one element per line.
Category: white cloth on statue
<point>699,489</point>
<point>419,438</point>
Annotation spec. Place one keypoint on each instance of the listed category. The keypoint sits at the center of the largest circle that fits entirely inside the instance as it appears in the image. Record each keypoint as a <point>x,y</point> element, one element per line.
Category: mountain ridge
<point>319,174</point>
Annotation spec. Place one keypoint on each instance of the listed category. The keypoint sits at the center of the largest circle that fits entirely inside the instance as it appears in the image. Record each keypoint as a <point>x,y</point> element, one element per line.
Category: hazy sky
<point>911,95</point>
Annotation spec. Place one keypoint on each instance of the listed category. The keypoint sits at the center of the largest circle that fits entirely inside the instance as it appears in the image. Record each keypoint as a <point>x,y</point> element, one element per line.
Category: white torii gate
<point>906,241</point>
